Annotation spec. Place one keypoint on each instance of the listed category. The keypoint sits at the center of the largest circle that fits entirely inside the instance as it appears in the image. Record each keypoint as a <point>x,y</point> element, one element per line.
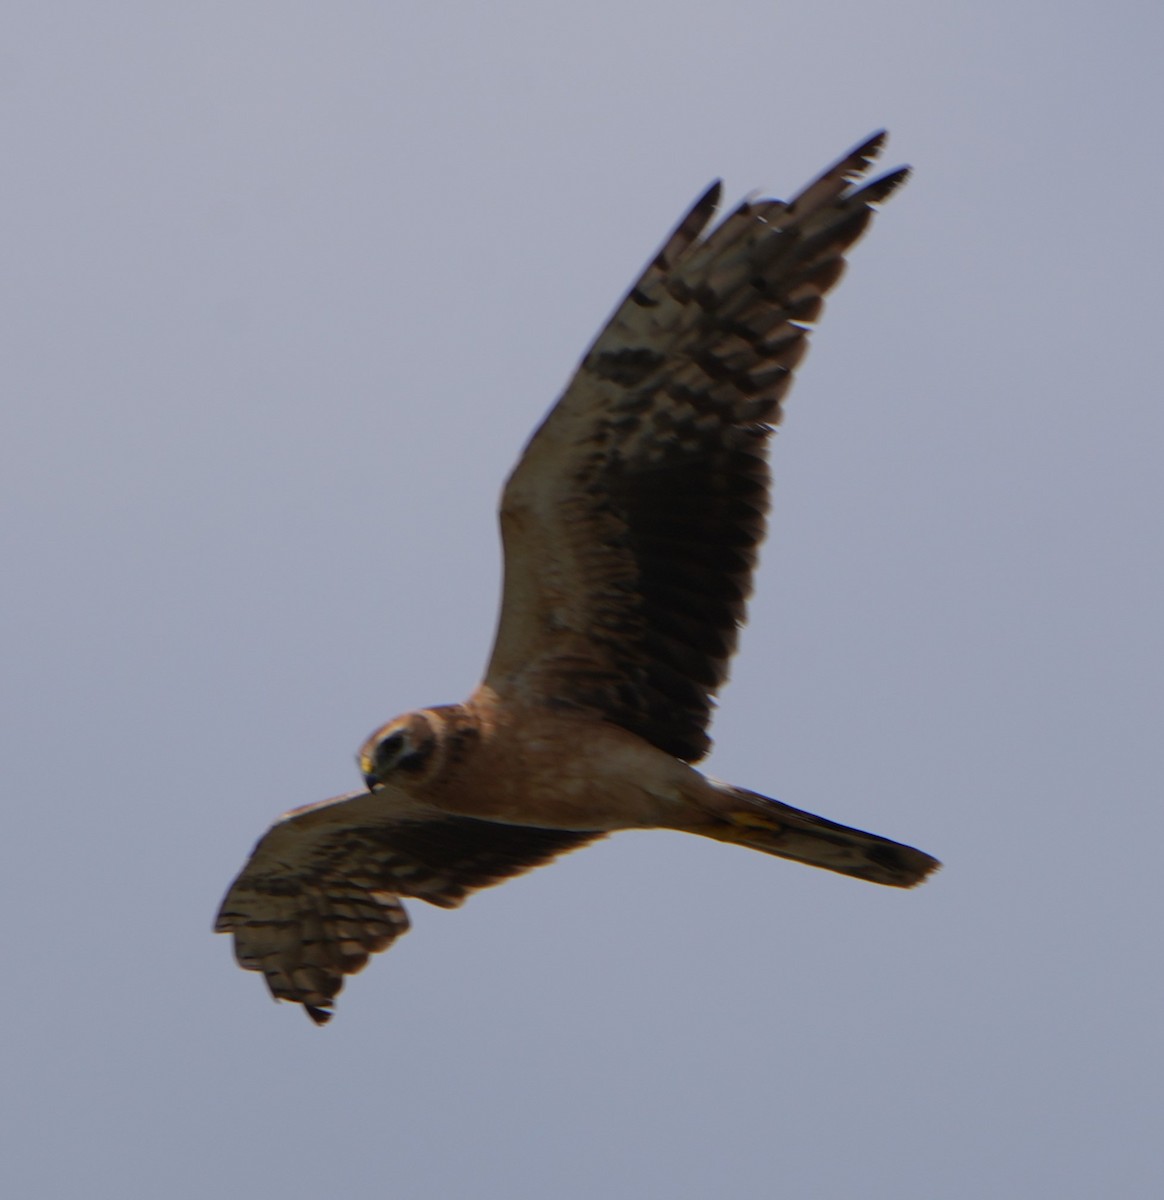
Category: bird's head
<point>401,752</point>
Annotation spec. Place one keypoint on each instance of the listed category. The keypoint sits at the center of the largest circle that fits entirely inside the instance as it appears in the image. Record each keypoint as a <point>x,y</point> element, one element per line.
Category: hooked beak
<point>370,780</point>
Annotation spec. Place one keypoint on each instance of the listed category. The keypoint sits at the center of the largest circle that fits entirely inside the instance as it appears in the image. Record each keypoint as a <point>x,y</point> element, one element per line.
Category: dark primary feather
<point>632,522</point>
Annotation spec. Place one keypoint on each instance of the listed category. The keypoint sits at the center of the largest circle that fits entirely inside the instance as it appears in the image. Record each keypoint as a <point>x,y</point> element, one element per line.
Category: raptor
<point>631,526</point>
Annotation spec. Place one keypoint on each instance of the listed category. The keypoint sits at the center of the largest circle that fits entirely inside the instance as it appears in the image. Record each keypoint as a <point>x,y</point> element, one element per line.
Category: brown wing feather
<point>632,521</point>
<point>320,893</point>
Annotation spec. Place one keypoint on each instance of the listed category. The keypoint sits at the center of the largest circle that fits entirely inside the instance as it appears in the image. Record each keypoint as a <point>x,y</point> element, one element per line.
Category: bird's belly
<point>569,774</point>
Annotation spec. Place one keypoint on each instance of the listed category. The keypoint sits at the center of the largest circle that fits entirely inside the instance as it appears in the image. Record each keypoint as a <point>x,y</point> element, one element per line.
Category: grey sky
<point>285,288</point>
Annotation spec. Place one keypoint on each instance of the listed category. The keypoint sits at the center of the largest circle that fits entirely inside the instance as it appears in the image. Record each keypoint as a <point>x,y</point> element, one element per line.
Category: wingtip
<point>864,155</point>
<point>884,186</point>
<point>861,157</point>
<point>692,224</point>
<point>913,866</point>
<point>709,202</point>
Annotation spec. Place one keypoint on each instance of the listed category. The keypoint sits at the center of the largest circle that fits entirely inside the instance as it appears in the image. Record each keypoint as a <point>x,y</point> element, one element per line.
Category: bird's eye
<point>388,749</point>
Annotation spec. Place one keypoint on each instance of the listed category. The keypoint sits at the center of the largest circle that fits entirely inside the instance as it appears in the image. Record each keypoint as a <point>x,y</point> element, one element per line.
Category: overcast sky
<point>285,287</point>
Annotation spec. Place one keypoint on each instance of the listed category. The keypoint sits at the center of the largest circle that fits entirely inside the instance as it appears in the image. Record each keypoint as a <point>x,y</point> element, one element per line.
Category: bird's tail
<point>749,819</point>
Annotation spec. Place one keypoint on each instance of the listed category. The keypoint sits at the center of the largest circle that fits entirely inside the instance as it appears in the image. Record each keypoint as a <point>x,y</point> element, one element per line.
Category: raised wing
<point>632,521</point>
<point>321,891</point>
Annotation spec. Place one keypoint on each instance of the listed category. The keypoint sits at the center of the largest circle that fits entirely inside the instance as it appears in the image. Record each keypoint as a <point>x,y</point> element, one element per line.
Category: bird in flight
<point>631,526</point>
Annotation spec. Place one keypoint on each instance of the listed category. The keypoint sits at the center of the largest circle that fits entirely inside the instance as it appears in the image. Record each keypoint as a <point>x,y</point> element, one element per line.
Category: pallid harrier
<point>631,526</point>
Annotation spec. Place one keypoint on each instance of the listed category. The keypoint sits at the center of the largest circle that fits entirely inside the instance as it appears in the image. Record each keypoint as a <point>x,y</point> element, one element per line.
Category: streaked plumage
<point>631,526</point>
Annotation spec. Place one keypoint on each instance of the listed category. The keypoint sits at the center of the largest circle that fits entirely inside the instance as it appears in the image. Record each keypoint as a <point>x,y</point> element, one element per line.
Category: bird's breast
<point>567,772</point>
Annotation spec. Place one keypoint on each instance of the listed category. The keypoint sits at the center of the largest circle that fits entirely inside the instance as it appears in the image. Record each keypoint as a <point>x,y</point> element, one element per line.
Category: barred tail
<point>752,820</point>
